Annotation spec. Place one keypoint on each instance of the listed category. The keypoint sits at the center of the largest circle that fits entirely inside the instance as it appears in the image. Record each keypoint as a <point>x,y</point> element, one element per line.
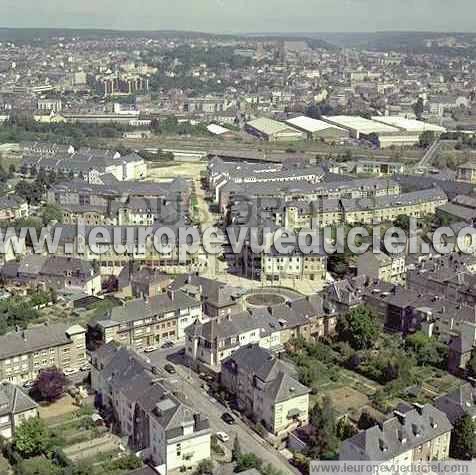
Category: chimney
<point>416,431</point>
<point>400,416</point>
<point>418,407</point>
<point>171,294</point>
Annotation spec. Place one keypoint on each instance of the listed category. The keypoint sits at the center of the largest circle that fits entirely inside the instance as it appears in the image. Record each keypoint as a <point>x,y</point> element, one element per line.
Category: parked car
<point>170,368</point>
<point>167,344</point>
<point>149,349</point>
<point>228,418</point>
<point>223,436</point>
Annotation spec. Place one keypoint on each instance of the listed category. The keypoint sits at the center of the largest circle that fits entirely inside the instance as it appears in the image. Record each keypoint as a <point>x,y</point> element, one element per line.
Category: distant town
<point>134,357</point>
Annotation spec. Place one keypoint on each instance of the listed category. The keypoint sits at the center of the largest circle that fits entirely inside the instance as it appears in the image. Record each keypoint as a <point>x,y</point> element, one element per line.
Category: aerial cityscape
<point>250,250</point>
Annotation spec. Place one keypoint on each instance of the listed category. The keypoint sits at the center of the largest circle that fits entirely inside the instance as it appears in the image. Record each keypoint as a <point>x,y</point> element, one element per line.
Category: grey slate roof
<point>126,372</point>
<point>411,428</point>
<point>459,402</point>
<point>35,338</point>
<point>11,202</point>
<point>139,309</point>
<point>13,400</point>
<point>213,291</point>
<point>279,384</point>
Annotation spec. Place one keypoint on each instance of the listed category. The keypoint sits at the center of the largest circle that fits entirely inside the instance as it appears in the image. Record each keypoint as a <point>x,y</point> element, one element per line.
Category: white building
<point>158,425</point>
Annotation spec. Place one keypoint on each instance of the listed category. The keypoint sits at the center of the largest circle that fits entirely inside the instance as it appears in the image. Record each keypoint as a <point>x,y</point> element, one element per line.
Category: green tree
<point>426,350</point>
<point>205,467</point>
<point>324,441</point>
<point>427,138</point>
<point>403,222</point>
<point>270,470</point>
<point>471,365</point>
<point>38,466</point>
<point>419,108</point>
<point>344,429</point>
<point>358,328</point>
<point>52,212</point>
<point>126,462</point>
<point>248,461</point>
<point>463,443</point>
<point>366,421</point>
<point>32,438</point>
<point>236,451</point>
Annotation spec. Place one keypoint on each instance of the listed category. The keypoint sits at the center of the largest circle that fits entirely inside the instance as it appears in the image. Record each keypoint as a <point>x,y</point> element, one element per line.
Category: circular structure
<point>268,297</point>
<point>264,300</point>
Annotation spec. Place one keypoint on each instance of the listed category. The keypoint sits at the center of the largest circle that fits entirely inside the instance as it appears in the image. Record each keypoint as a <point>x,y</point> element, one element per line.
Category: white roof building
<point>360,126</point>
<point>409,125</point>
<point>274,130</point>
<point>311,125</point>
<point>216,129</point>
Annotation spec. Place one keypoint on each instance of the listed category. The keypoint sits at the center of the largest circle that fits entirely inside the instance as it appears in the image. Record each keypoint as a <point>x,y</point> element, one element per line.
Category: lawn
<point>347,400</point>
<point>60,411</point>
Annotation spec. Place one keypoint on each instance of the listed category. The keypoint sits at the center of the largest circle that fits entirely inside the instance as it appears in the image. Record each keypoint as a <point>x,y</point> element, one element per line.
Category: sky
<point>244,16</point>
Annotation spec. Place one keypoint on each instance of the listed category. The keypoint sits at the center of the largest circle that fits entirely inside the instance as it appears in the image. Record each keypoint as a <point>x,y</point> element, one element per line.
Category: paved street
<point>189,384</point>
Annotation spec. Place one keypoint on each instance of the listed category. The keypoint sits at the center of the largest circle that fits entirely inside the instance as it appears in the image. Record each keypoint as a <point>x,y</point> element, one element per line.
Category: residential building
<point>149,321</point>
<point>466,172</point>
<point>412,435</point>
<point>265,390</point>
<point>386,267</point>
<point>88,165</point>
<point>149,282</point>
<point>155,422</point>
<point>67,274</point>
<point>15,408</point>
<point>373,210</point>
<point>24,353</point>
<point>13,207</point>
<point>209,343</point>
<point>459,402</point>
<point>218,299</point>
<point>294,266</point>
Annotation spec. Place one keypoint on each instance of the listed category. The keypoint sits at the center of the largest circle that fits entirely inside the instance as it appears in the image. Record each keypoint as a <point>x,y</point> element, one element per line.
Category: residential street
<point>188,383</point>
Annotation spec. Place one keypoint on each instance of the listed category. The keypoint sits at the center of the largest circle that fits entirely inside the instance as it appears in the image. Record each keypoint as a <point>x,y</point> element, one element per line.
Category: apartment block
<point>147,322</point>
<point>414,434</point>
<point>209,343</point>
<point>385,267</point>
<point>24,353</point>
<point>265,390</point>
<point>156,423</point>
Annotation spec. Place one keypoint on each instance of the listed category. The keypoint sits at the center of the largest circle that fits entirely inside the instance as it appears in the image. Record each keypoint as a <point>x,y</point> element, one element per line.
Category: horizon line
<point>237,33</point>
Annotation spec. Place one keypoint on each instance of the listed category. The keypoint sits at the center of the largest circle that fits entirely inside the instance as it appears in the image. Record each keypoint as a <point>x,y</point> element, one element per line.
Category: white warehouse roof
<point>217,129</point>
<point>361,125</point>
<point>271,127</point>
<point>409,125</point>
<point>311,125</point>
